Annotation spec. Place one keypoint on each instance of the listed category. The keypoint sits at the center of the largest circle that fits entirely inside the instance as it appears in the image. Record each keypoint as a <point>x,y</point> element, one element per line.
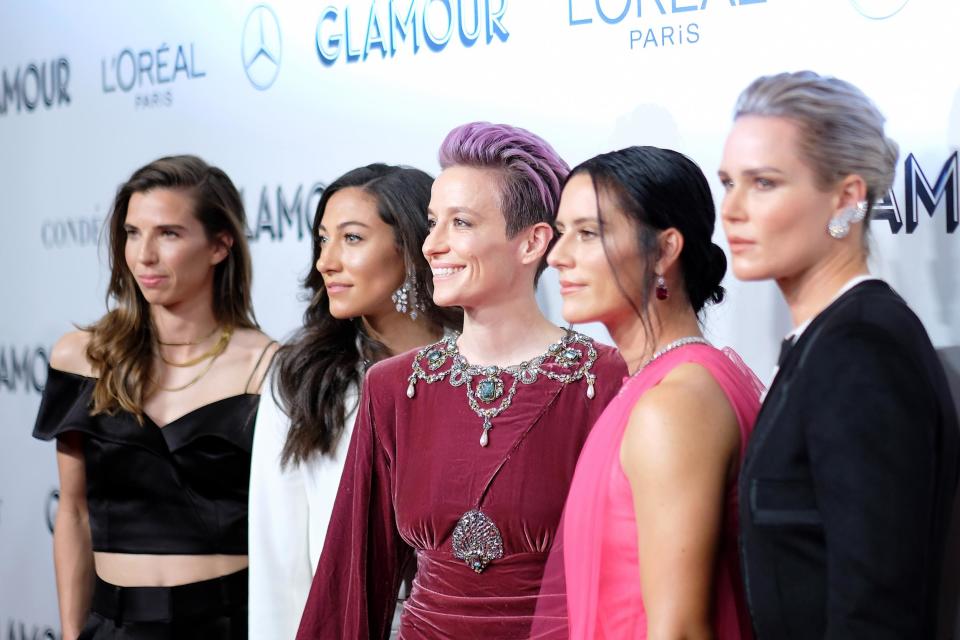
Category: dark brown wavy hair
<point>121,347</point>
<point>325,358</point>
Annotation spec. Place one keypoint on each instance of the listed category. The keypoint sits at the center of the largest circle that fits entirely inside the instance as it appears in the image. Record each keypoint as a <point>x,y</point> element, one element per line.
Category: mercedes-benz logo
<point>262,47</point>
<point>878,9</point>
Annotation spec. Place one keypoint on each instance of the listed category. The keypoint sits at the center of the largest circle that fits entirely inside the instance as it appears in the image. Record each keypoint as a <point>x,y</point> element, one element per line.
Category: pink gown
<point>600,530</point>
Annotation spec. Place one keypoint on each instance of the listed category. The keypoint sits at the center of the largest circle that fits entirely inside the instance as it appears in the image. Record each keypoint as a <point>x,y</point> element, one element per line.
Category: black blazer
<point>848,479</point>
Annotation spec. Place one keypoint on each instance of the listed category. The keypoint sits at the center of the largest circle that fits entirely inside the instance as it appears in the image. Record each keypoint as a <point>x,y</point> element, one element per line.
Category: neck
<point>809,292</point>
<point>671,320</point>
<point>506,333</point>
<point>188,321</point>
<point>398,333</point>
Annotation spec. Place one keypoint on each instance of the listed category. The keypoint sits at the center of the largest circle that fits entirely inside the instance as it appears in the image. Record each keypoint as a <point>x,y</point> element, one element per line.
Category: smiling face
<point>360,262</point>
<point>167,249</point>
<point>590,266</point>
<point>472,259</point>
<point>774,212</point>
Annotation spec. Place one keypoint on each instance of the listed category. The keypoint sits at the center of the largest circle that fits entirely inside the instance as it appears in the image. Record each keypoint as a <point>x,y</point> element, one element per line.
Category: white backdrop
<point>285,96</point>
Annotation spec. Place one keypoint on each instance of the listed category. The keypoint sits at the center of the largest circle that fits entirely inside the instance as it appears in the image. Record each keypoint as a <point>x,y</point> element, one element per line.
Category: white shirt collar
<point>850,284</point>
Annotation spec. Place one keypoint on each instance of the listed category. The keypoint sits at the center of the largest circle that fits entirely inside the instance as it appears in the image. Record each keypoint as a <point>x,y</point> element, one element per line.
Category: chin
<point>749,273</point>
<point>341,312</point>
<point>450,298</point>
<point>577,314</point>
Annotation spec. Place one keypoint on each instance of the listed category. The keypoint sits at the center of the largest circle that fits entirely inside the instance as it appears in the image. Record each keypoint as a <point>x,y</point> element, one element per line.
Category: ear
<point>670,243</point>
<point>849,192</point>
<point>535,242</point>
<point>222,243</point>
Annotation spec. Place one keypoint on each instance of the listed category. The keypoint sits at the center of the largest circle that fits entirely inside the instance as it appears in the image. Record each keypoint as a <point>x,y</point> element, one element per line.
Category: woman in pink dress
<point>649,540</point>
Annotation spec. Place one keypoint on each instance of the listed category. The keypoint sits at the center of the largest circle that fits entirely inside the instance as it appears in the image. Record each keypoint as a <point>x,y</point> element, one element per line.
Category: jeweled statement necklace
<point>476,538</point>
<point>481,396</point>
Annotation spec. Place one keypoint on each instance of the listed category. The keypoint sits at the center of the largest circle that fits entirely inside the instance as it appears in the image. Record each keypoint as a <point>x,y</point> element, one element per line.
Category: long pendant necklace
<point>574,353</point>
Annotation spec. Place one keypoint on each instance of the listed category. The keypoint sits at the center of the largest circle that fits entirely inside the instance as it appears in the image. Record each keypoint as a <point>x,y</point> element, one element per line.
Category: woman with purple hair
<point>463,450</point>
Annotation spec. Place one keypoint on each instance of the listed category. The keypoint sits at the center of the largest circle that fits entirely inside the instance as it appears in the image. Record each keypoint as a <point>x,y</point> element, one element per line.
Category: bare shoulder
<point>687,415</point>
<point>70,353</point>
<point>256,351</point>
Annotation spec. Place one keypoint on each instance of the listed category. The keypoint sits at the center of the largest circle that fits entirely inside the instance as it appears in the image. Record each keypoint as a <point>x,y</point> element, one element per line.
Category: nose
<point>559,257</point>
<point>329,260</point>
<point>435,243</point>
<point>731,207</point>
<point>147,253</point>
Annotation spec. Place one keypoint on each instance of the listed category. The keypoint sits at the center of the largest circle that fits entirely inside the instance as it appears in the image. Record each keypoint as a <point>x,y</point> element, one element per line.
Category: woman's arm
<point>679,452</point>
<point>72,548</point>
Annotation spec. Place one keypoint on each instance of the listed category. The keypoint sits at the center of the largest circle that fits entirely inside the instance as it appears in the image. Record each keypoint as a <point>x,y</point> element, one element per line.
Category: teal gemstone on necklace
<point>435,358</point>
<point>571,354</point>
<point>487,390</point>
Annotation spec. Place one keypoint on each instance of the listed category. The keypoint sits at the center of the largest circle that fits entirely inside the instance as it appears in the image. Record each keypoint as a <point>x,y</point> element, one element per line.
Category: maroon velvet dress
<point>416,466</point>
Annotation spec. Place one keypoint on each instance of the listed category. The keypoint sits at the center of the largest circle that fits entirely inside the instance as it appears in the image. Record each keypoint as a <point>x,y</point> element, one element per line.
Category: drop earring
<point>405,298</point>
<point>661,290</point>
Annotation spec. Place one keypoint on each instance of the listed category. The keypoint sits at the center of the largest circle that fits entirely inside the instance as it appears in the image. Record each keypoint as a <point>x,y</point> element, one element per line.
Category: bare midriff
<point>147,570</point>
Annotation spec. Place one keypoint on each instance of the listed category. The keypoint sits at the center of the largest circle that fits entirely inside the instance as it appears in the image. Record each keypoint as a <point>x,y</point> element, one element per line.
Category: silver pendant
<point>476,540</point>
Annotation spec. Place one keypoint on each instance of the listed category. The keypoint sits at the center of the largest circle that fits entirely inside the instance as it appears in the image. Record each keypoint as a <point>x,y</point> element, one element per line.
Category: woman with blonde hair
<point>847,485</point>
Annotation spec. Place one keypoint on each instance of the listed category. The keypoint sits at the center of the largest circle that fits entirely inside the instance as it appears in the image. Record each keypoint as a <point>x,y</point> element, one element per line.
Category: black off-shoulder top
<point>179,489</point>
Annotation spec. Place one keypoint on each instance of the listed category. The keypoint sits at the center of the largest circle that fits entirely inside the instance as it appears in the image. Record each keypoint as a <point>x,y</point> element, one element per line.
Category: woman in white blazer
<point>370,298</point>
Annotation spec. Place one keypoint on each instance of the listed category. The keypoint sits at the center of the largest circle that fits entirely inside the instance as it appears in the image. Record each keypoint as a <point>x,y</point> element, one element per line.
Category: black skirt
<point>213,610</point>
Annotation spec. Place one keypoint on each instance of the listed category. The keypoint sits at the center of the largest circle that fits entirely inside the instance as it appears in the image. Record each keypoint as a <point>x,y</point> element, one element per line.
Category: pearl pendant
<point>411,389</point>
<point>484,439</point>
<point>591,393</point>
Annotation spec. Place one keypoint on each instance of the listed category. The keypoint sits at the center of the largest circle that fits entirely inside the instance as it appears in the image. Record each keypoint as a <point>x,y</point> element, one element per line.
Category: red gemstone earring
<point>661,290</point>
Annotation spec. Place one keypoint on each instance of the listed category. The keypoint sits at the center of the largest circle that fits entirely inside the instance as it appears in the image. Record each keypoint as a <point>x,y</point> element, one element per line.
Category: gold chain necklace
<point>212,352</point>
<point>189,344</point>
<point>228,332</point>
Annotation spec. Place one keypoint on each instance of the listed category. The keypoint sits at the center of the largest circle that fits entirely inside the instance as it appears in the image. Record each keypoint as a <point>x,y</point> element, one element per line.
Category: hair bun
<point>716,269</point>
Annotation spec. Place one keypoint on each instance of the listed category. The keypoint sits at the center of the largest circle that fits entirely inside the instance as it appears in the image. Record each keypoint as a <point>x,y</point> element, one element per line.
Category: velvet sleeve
<point>873,441</point>
<point>354,591</point>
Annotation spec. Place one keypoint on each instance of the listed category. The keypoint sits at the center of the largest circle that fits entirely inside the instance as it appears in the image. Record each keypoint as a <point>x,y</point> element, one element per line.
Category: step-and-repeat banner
<point>287,95</point>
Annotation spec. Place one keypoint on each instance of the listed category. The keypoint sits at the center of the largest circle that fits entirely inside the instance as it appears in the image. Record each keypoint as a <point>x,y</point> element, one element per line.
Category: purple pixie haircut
<point>532,172</point>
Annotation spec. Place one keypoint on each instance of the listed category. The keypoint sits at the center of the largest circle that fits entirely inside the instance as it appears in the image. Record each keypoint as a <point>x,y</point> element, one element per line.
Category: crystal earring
<point>405,298</point>
<point>839,226</point>
<point>661,289</point>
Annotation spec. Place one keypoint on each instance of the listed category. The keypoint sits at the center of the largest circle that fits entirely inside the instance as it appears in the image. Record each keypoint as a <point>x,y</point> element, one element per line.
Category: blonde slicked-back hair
<point>841,130</point>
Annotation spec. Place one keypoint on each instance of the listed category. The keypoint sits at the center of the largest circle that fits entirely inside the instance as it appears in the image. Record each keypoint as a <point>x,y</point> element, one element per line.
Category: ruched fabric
<point>179,489</point>
<point>414,467</point>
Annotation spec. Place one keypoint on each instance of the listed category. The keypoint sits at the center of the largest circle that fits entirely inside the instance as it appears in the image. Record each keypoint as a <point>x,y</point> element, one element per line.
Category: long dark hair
<point>657,189</point>
<point>121,342</point>
<point>319,364</point>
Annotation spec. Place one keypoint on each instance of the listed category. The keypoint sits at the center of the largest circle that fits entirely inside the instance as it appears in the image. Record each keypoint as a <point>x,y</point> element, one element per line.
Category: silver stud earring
<point>839,226</point>
<point>405,298</point>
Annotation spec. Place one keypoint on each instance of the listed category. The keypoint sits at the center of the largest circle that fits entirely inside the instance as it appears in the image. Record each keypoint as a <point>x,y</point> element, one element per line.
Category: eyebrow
<point>165,227</point>
<point>347,224</point>
<point>759,170</point>
<point>453,210</point>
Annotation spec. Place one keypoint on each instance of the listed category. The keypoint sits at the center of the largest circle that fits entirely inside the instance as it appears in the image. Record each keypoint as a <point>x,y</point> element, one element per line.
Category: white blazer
<point>289,512</point>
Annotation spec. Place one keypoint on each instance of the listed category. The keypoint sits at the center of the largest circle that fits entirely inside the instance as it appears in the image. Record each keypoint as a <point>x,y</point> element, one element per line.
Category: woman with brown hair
<point>152,407</point>
<point>370,297</point>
